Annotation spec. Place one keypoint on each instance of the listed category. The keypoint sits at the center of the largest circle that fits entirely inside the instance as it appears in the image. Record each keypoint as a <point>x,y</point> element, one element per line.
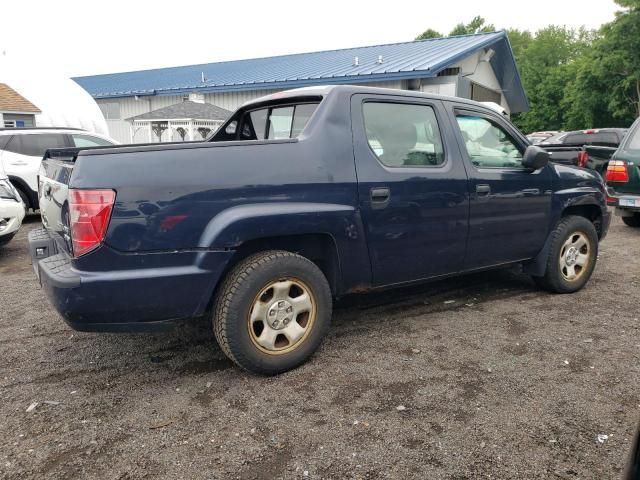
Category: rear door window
<point>403,135</point>
<point>34,145</point>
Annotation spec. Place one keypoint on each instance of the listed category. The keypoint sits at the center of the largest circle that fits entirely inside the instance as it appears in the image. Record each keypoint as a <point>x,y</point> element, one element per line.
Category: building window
<point>18,120</point>
<point>448,72</point>
<point>110,110</point>
<point>484,94</point>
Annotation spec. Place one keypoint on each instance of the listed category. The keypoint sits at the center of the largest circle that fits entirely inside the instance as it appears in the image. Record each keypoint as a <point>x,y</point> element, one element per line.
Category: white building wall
<point>481,73</point>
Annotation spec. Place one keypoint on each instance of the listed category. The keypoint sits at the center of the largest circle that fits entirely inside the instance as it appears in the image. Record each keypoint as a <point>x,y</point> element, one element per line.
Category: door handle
<point>531,191</point>
<point>483,190</point>
<point>19,163</point>
<point>380,197</point>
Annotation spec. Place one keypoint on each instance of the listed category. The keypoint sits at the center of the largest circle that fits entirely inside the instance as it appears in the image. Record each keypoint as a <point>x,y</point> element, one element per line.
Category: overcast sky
<point>104,36</point>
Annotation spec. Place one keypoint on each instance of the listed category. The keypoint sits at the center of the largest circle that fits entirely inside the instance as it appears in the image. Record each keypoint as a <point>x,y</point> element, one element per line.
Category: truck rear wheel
<point>572,256</point>
<point>633,221</point>
<point>272,312</point>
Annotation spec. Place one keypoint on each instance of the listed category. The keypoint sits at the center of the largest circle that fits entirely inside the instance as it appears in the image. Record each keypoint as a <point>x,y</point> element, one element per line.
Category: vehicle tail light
<point>583,158</point>
<point>89,214</point>
<point>617,171</point>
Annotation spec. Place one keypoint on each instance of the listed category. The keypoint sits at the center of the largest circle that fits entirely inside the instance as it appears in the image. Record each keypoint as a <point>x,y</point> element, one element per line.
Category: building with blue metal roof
<point>481,67</point>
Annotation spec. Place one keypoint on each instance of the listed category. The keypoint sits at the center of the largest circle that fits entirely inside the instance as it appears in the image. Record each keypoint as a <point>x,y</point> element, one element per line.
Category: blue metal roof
<point>416,59</point>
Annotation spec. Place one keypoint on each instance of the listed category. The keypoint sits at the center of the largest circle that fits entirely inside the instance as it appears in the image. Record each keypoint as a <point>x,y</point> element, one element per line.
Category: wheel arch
<point>21,185</point>
<point>332,235</point>
<point>592,211</point>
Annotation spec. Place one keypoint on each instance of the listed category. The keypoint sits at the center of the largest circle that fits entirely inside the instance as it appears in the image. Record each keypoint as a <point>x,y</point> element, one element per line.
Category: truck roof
<point>326,90</point>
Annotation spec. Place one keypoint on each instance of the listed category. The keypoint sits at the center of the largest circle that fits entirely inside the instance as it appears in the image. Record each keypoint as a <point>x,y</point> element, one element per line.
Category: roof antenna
<point>203,80</point>
<point>356,61</point>
<point>379,58</point>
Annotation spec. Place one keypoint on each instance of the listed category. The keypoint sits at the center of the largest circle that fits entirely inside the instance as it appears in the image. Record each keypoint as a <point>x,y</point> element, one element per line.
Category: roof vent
<point>356,61</point>
<point>380,59</point>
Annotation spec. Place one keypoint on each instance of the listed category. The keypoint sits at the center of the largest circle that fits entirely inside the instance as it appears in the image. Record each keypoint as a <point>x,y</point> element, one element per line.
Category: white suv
<point>21,150</point>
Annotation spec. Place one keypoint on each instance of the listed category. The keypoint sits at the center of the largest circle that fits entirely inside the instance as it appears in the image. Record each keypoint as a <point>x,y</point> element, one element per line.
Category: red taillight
<point>617,171</point>
<point>583,158</point>
<point>89,214</point>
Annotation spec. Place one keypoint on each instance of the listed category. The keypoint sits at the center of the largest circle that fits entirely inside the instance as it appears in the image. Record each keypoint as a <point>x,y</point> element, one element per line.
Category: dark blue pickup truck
<point>298,198</point>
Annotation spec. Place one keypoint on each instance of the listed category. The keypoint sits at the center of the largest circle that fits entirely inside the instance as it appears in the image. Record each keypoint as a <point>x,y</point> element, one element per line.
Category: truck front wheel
<point>272,312</point>
<point>572,256</point>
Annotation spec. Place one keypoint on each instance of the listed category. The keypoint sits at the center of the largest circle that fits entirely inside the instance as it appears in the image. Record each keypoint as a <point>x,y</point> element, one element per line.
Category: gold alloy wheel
<point>574,256</point>
<point>282,316</point>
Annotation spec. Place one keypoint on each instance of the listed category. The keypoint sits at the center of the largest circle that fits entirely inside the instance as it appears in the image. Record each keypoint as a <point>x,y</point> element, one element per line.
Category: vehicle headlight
<point>8,191</point>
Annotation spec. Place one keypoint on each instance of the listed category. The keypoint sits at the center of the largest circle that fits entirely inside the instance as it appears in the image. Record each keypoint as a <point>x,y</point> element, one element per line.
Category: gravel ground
<point>479,377</point>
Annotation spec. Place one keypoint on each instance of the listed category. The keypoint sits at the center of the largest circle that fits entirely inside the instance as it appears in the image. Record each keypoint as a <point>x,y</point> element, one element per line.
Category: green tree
<point>546,64</point>
<point>477,25</point>
<point>429,33</point>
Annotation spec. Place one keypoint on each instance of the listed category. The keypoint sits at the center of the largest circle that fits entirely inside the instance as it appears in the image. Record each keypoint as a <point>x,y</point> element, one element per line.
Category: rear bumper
<point>125,292</point>
<point>625,204</point>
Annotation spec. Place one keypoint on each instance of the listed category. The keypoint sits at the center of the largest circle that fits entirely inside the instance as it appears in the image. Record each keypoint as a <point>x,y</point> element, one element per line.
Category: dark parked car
<point>623,178</point>
<point>568,147</point>
<point>300,197</point>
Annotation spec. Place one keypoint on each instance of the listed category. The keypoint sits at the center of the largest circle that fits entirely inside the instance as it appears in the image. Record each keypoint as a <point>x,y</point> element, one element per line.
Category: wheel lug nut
<point>280,304</point>
<point>272,313</point>
<point>285,321</point>
<point>290,309</point>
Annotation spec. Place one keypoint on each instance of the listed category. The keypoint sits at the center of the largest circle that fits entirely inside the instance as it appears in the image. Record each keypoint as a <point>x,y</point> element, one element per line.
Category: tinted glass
<point>35,145</point>
<point>255,128</point>
<point>301,117</point>
<point>284,122</point>
<point>576,139</point>
<point>4,139</point>
<point>89,141</point>
<point>634,139</point>
<point>403,135</point>
<point>609,139</point>
<point>280,122</point>
<point>488,144</point>
<point>557,138</point>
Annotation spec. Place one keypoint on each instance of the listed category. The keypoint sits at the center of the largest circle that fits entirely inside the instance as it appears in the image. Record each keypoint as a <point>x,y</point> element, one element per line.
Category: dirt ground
<point>497,380</point>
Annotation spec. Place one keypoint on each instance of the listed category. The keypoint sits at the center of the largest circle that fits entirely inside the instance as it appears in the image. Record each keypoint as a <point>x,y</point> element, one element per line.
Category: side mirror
<point>535,158</point>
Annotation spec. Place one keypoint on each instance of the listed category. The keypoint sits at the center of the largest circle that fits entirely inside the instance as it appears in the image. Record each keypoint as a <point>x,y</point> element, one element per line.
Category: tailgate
<point>53,188</point>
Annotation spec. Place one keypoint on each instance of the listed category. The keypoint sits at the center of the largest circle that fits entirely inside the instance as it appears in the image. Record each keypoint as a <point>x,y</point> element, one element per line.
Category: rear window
<point>277,122</point>
<point>82,141</point>
<point>34,145</point>
<point>634,139</point>
<point>605,139</point>
<point>557,138</point>
<point>273,122</point>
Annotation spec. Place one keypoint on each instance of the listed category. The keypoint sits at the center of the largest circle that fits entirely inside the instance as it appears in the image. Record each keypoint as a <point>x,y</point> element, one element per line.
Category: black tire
<point>25,199</point>
<point>633,221</point>
<point>235,300</point>
<point>6,239</point>
<point>554,279</point>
